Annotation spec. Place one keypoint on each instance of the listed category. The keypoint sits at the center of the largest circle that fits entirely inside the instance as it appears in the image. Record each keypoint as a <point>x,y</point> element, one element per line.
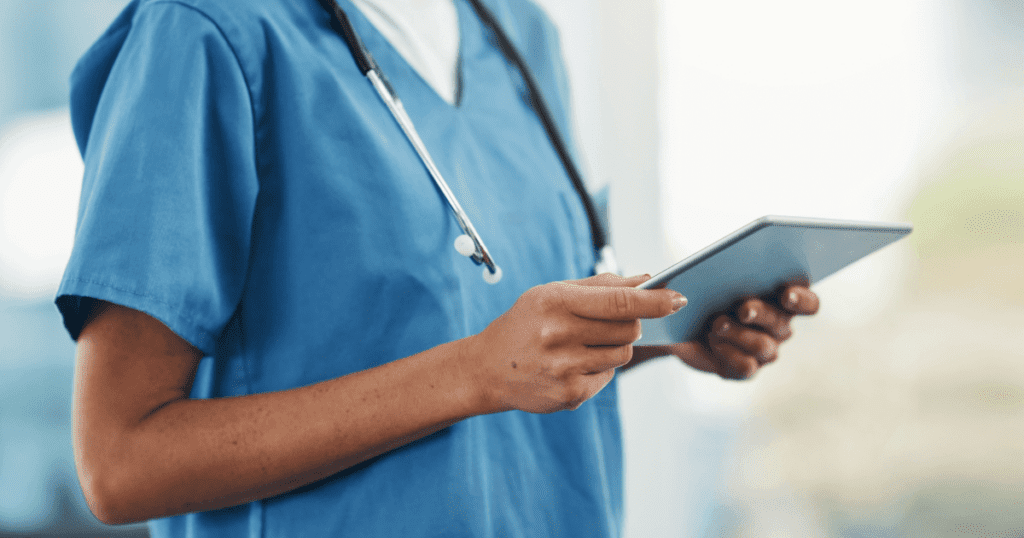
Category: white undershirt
<point>425,33</point>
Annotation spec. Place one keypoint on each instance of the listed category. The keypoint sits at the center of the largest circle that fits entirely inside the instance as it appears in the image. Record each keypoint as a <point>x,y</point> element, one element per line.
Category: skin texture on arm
<point>143,449</point>
<point>741,342</point>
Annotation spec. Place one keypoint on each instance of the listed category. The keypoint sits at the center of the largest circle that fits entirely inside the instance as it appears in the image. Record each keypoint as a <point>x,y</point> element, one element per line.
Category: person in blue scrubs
<point>276,337</point>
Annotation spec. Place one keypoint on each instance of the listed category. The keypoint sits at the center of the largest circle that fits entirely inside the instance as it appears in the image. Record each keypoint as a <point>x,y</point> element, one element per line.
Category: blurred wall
<point>39,45</point>
<point>40,173</point>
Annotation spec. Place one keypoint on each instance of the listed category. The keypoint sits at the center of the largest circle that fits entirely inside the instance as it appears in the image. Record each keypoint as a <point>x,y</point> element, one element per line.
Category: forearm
<point>193,455</point>
<point>144,449</point>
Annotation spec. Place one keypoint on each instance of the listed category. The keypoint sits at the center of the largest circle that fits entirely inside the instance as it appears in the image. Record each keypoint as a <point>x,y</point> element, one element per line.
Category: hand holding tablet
<point>757,260</point>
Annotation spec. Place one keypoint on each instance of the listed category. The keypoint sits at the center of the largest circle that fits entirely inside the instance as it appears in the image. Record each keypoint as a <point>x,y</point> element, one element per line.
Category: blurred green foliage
<point>969,215</point>
<point>975,203</point>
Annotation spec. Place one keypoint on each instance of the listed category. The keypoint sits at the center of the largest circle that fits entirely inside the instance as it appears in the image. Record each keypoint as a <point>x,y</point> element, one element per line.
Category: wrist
<point>475,395</point>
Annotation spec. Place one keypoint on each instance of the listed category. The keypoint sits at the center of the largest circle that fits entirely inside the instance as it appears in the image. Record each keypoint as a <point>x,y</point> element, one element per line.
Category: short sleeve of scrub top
<point>245,186</point>
<point>170,183</point>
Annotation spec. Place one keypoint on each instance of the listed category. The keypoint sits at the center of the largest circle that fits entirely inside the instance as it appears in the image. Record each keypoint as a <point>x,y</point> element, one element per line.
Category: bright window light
<point>800,108</point>
<point>40,181</point>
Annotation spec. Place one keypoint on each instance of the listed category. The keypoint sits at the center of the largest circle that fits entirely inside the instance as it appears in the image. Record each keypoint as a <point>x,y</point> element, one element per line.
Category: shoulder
<point>532,32</point>
<point>525,21</point>
<point>229,12</point>
<point>242,33</point>
<point>251,28</point>
<point>243,24</point>
<point>537,39</point>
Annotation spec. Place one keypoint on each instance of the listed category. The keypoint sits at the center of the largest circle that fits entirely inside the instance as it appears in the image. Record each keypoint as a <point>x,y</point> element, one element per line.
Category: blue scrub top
<point>245,186</point>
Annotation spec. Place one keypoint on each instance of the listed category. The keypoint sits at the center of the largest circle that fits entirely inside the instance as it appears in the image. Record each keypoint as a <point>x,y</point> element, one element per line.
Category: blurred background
<point>897,411</point>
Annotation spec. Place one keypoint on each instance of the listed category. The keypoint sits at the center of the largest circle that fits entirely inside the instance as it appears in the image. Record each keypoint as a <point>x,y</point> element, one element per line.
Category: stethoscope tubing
<point>547,120</point>
<point>368,67</point>
<point>480,255</point>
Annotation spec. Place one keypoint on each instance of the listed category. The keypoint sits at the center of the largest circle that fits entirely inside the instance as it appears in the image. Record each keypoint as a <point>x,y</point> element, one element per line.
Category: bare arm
<point>144,449</point>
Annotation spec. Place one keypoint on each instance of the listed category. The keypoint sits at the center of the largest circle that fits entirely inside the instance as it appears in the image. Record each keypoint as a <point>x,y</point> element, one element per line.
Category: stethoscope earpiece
<point>465,246</point>
<point>492,278</point>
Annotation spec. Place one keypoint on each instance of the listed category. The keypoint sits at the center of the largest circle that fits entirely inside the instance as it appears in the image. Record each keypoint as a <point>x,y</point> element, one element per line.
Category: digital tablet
<point>755,260</point>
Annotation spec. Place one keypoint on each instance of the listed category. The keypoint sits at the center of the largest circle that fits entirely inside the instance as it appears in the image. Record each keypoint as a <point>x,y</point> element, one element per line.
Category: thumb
<point>611,280</point>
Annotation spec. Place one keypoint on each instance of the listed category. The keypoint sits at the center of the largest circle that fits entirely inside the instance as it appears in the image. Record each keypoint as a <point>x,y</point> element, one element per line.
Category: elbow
<point>107,472</point>
<point>107,501</point>
<point>106,487</point>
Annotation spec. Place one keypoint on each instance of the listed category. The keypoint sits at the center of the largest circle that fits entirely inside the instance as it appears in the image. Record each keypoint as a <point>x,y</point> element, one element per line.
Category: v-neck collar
<point>395,64</point>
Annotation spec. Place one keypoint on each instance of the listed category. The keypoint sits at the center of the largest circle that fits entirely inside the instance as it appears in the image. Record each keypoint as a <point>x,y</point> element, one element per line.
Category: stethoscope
<point>470,244</point>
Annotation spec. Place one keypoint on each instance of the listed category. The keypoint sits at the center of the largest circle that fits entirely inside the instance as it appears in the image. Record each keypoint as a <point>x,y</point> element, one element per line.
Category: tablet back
<point>758,258</point>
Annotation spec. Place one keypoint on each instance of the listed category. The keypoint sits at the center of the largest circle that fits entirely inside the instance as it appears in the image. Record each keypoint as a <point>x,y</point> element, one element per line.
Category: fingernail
<point>724,328</point>
<point>792,299</point>
<point>749,315</point>
<point>678,302</point>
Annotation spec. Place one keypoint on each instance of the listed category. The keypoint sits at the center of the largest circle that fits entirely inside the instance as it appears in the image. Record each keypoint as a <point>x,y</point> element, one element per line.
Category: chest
<point>344,193</point>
